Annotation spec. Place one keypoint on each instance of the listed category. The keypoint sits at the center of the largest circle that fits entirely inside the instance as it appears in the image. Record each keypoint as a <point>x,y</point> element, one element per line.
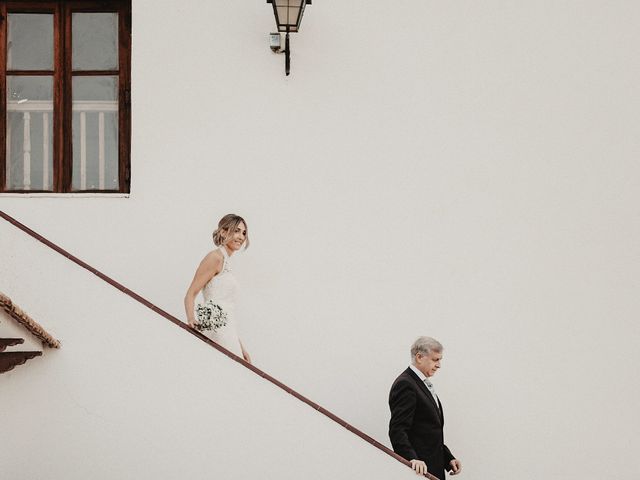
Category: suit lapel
<point>426,391</point>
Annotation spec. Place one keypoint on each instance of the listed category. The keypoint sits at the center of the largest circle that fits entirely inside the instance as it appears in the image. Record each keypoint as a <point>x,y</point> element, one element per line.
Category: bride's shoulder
<point>213,258</point>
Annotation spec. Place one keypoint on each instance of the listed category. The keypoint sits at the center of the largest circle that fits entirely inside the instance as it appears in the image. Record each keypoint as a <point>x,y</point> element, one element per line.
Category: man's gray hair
<point>425,345</point>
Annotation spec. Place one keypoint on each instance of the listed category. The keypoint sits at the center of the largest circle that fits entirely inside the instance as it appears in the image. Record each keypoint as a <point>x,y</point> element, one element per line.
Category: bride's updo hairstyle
<point>226,226</point>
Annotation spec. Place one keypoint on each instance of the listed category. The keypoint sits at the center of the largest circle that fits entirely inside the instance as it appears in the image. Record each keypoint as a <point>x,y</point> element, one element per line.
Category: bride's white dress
<point>222,290</point>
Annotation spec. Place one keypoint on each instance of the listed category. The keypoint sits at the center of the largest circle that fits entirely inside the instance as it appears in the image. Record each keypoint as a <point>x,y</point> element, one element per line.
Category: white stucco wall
<point>466,170</point>
<point>132,396</point>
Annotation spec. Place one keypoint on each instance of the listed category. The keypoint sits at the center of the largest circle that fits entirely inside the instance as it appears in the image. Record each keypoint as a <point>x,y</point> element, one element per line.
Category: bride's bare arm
<point>209,267</point>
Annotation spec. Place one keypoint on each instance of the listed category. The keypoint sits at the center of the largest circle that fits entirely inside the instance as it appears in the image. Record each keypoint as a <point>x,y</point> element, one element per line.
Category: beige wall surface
<point>466,170</point>
<point>130,396</point>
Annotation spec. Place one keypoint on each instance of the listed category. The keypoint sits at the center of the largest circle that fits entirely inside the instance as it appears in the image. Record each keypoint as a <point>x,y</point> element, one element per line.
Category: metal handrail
<point>207,340</point>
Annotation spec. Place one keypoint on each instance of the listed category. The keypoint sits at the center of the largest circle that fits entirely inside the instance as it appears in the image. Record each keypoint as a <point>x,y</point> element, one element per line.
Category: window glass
<point>66,63</point>
<point>30,42</point>
<point>94,40</point>
<point>29,147</point>
<point>95,133</point>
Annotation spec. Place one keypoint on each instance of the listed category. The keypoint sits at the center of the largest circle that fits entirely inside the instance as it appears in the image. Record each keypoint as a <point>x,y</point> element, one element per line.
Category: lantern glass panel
<point>294,16</point>
<point>290,3</point>
<point>283,16</point>
<point>288,16</point>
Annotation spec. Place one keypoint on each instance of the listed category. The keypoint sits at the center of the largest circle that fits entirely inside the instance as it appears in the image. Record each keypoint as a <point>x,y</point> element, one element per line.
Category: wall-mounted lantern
<point>288,15</point>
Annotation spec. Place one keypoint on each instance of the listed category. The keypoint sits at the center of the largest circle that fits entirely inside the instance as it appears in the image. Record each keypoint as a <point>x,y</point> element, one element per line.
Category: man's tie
<point>431,389</point>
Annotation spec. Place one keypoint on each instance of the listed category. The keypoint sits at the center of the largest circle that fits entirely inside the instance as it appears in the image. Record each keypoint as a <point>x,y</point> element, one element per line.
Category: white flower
<point>210,316</point>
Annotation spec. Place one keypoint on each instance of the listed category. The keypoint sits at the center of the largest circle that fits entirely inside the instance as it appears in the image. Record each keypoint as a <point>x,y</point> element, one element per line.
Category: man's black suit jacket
<point>416,424</point>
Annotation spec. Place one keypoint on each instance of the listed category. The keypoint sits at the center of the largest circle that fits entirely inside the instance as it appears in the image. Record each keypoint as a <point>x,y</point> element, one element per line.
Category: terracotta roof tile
<point>29,323</point>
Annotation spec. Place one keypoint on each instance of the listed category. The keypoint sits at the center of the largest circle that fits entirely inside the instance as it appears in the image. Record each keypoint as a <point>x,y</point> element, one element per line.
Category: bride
<point>217,283</point>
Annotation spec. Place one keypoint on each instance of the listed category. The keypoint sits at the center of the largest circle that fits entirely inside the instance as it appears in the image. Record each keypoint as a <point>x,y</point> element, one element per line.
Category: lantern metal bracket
<point>276,47</point>
<point>286,24</point>
<point>287,56</point>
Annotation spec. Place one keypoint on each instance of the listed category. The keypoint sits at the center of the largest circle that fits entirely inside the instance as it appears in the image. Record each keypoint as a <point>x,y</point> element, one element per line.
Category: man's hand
<point>419,466</point>
<point>456,466</point>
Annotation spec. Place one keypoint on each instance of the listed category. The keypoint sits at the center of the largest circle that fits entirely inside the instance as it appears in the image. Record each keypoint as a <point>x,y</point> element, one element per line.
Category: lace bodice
<point>222,289</point>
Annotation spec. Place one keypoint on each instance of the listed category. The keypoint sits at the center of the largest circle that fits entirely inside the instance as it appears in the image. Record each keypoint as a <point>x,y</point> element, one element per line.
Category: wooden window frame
<point>62,80</point>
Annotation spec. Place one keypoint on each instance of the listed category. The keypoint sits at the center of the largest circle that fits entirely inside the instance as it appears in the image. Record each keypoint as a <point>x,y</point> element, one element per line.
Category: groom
<point>416,422</point>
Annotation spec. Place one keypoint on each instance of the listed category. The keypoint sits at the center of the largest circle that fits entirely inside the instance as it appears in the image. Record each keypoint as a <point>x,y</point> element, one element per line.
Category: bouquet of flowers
<point>210,316</point>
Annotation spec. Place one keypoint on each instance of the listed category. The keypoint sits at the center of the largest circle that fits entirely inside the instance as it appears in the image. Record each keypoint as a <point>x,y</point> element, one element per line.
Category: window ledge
<point>65,195</point>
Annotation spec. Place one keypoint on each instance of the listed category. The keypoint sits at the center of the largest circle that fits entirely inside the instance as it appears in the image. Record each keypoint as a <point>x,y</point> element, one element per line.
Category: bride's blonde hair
<point>226,226</point>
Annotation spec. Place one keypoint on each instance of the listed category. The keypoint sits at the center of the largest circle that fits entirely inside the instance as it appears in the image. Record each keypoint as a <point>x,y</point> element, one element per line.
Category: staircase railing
<point>205,339</point>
